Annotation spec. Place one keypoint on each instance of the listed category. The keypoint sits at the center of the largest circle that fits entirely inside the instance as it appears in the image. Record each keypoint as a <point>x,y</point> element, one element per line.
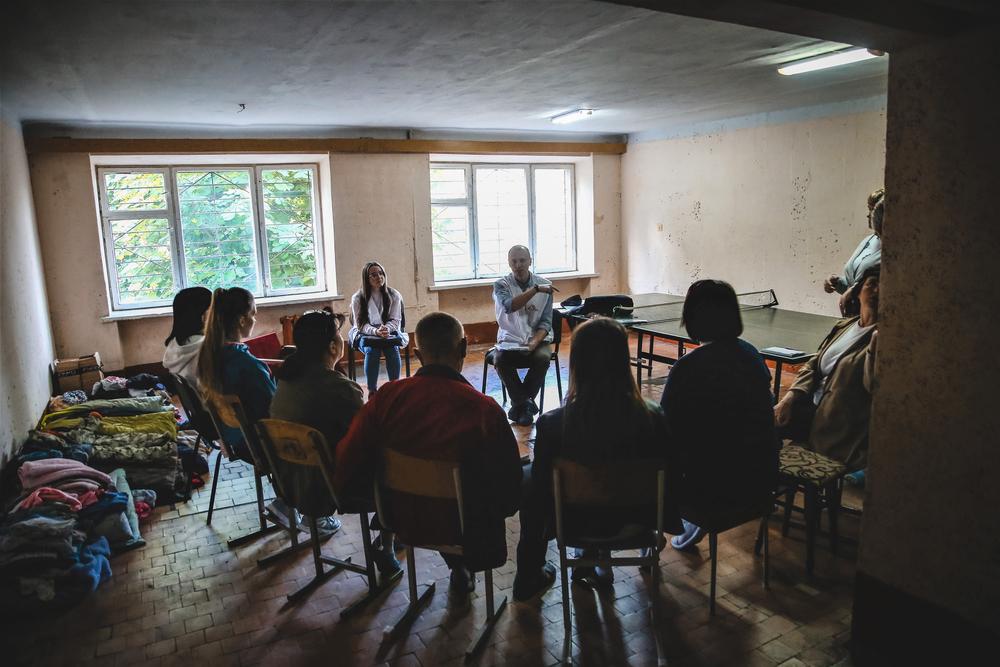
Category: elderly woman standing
<point>867,254</point>
<point>828,406</point>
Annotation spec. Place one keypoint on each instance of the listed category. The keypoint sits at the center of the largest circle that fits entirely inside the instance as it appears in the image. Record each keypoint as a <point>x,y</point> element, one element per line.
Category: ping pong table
<point>782,336</point>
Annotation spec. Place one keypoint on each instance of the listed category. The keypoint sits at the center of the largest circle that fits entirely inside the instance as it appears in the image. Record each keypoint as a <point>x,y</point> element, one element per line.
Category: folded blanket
<point>159,423</point>
<point>68,417</point>
<point>48,472</point>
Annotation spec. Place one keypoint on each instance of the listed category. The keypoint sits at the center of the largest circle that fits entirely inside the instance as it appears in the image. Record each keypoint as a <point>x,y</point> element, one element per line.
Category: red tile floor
<point>186,598</point>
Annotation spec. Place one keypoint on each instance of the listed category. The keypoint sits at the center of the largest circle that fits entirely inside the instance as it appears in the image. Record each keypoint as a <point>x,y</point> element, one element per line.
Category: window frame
<point>172,214</point>
<point>470,203</point>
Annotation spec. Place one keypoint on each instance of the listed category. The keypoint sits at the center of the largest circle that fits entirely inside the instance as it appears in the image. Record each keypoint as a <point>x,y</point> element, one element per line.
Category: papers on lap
<point>507,345</point>
<point>782,351</point>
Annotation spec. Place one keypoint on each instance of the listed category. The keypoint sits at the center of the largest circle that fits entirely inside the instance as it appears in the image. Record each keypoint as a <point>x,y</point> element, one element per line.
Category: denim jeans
<point>372,359</point>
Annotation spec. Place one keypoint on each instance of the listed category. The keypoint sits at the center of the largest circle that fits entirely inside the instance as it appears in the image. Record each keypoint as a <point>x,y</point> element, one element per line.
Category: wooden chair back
<point>297,444</point>
<point>424,478</point>
<point>617,484</point>
<point>228,410</point>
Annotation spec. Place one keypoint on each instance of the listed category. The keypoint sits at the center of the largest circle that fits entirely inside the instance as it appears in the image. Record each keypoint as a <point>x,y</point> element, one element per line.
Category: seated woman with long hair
<point>827,408</point>
<point>313,392</point>
<point>184,341</point>
<point>717,402</point>
<point>226,366</point>
<point>604,419</point>
<point>377,324</point>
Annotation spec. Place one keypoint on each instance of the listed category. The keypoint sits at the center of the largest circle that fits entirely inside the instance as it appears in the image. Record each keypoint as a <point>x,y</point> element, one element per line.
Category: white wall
<point>381,210</point>
<point>775,206</point>
<point>25,334</point>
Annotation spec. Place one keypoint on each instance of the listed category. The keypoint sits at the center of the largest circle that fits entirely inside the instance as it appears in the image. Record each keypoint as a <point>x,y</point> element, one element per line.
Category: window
<point>166,228</point>
<point>478,211</point>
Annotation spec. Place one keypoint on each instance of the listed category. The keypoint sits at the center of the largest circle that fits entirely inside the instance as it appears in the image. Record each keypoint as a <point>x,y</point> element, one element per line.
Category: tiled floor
<point>186,598</point>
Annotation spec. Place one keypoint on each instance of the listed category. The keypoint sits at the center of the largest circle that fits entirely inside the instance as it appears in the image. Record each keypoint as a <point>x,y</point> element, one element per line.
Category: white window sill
<point>263,302</point>
<point>481,282</point>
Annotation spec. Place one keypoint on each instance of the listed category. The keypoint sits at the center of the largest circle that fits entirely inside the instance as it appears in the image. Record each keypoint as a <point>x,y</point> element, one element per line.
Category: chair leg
<point>541,397</point>
<point>713,548</point>
<point>789,504</point>
<point>767,554</point>
<point>567,620</point>
<point>831,495</point>
<point>416,604</point>
<point>318,561</point>
<point>558,379</point>
<point>406,359</point>
<point>375,585</point>
<point>486,365</point>
<point>812,519</point>
<point>264,516</point>
<point>654,604</point>
<point>259,484</point>
<point>492,615</point>
<point>215,485</point>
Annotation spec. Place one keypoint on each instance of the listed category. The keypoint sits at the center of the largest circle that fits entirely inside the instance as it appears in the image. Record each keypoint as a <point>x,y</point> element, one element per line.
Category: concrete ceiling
<point>440,64</point>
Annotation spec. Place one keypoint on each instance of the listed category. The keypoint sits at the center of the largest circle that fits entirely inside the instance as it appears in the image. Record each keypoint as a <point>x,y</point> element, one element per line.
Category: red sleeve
<point>355,454</point>
<point>503,461</point>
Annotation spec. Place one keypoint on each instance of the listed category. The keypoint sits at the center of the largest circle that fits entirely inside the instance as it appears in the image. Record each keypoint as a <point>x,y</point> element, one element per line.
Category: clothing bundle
<point>138,435</point>
<point>60,530</point>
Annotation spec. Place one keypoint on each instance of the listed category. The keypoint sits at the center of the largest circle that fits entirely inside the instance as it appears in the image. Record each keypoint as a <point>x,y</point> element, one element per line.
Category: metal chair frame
<point>564,498</point>
<point>316,453</point>
<point>435,485</point>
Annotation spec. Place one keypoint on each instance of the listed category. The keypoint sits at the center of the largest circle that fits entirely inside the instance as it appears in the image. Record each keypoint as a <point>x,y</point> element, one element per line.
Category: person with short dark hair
<point>717,402</point>
<point>438,415</point>
<point>523,304</point>
<point>604,419</point>
<point>186,333</point>
<point>377,324</point>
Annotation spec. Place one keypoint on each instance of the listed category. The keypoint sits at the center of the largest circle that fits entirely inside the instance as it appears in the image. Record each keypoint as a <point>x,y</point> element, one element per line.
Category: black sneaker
<point>386,563</point>
<point>527,590</point>
<point>461,582</point>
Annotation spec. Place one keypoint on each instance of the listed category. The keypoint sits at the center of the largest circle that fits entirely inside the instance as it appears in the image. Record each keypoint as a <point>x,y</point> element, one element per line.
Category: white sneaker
<point>325,526</point>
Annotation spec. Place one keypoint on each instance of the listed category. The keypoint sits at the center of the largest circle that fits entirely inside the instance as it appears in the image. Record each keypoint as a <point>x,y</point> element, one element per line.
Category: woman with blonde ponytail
<point>225,365</point>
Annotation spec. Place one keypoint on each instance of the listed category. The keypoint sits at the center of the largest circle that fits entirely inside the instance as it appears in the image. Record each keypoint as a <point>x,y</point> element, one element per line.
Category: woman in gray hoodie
<point>184,341</point>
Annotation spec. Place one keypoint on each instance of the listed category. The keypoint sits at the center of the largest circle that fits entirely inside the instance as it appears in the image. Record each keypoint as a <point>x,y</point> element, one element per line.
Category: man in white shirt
<point>523,303</point>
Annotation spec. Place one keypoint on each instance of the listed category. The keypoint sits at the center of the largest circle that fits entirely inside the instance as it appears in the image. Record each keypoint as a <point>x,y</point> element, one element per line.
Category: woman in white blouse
<point>377,324</point>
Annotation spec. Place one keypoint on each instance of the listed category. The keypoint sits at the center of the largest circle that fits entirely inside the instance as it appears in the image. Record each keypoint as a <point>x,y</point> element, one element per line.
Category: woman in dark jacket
<point>604,419</point>
<point>313,392</point>
<point>717,402</point>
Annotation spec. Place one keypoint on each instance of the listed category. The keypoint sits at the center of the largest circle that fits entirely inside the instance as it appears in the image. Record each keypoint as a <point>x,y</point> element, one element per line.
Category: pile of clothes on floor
<point>138,435</point>
<point>60,527</point>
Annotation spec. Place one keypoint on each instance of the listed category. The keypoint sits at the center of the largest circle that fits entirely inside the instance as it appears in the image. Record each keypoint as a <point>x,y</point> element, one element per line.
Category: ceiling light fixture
<point>831,60</point>
<point>572,116</point>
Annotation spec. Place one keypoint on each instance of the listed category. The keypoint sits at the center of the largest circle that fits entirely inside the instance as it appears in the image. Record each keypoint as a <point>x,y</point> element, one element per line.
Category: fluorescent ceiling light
<point>572,116</point>
<point>823,62</point>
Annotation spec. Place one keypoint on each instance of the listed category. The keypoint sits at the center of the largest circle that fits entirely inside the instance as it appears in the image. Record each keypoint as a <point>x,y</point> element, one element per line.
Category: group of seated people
<point>717,428</point>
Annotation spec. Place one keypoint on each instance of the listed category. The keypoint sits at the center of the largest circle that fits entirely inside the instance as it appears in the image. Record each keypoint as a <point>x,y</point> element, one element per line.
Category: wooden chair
<point>304,446</point>
<point>425,478</point>
<point>228,412</point>
<point>490,360</point>
<point>820,479</point>
<point>626,485</point>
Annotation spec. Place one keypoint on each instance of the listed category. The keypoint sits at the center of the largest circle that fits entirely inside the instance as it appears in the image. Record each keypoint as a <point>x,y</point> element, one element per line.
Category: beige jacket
<point>840,426</point>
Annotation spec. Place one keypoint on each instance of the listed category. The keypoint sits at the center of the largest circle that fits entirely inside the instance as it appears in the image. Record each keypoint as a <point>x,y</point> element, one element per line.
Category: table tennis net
<point>671,310</point>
